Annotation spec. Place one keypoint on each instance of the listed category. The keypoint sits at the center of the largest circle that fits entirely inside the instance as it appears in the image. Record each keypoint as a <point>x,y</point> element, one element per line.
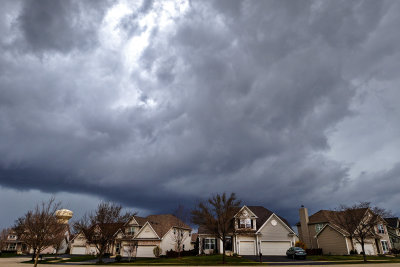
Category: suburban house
<point>319,231</point>
<point>393,227</point>
<point>255,230</point>
<point>139,237</point>
<point>13,244</point>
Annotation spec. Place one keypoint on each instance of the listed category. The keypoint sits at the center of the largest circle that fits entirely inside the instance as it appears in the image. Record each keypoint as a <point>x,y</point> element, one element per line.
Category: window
<point>209,243</point>
<point>385,246</point>
<point>245,223</point>
<point>381,229</point>
<point>118,248</point>
<point>12,246</point>
<point>12,237</point>
<point>131,230</point>
<point>318,227</point>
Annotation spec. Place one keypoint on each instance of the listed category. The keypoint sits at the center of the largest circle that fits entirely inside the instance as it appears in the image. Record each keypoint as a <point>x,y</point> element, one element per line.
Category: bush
<point>157,251</point>
<point>314,251</point>
<point>353,252</point>
<point>118,258</point>
<point>300,245</point>
<point>395,251</point>
<point>173,254</point>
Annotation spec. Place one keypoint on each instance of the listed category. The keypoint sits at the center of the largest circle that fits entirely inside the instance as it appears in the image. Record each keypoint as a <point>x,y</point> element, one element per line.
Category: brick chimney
<point>304,234</point>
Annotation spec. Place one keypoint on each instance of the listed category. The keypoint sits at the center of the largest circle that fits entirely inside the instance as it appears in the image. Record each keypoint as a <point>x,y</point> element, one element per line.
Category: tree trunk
<point>352,243</point>
<point>101,257</point>
<point>36,259</point>
<point>364,256</point>
<point>223,250</point>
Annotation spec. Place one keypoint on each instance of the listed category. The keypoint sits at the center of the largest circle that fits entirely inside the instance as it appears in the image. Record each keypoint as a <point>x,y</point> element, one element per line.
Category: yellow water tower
<point>64,215</point>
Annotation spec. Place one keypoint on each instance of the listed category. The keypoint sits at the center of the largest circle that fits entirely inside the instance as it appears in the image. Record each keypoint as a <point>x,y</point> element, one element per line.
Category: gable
<point>133,221</point>
<point>275,229</point>
<point>245,212</point>
<point>147,232</point>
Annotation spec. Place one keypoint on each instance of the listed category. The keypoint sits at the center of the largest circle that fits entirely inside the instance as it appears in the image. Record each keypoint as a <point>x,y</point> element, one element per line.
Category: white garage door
<point>274,247</point>
<point>78,250</point>
<point>145,251</point>
<point>369,248</point>
<point>247,248</point>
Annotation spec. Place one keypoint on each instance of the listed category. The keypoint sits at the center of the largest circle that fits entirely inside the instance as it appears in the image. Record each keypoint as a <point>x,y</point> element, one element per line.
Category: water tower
<point>64,215</point>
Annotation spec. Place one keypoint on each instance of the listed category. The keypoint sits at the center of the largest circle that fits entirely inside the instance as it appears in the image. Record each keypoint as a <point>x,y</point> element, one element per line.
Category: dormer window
<point>381,229</point>
<point>131,230</point>
<point>245,223</point>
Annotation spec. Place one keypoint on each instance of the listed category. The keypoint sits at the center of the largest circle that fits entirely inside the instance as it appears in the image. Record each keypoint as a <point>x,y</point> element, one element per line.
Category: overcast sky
<point>162,103</point>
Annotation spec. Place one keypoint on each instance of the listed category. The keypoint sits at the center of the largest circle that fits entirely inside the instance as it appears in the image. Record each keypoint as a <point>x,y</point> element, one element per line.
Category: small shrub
<point>235,254</point>
<point>300,245</point>
<point>118,258</point>
<point>314,251</point>
<point>353,252</point>
<point>395,251</point>
<point>157,251</point>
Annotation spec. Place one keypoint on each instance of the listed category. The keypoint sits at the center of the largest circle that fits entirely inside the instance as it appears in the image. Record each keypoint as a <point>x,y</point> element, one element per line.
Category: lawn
<point>354,258</point>
<point>191,260</point>
<point>8,255</point>
<point>52,260</point>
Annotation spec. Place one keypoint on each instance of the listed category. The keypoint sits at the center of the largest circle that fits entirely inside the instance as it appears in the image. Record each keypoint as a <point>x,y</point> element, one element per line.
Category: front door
<point>228,243</point>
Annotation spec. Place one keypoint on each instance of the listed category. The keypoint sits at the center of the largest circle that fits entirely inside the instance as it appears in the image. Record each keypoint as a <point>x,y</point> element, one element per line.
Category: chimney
<point>304,233</point>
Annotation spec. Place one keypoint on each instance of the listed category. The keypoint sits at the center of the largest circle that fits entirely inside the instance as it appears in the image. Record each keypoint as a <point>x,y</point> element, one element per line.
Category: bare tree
<point>60,240</point>
<point>181,230</point>
<point>359,221</point>
<point>130,249</point>
<point>39,227</point>
<point>3,239</point>
<point>216,215</point>
<point>99,227</point>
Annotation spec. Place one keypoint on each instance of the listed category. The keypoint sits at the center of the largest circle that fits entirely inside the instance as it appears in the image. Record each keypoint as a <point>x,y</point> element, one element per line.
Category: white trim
<point>244,206</point>
<point>144,227</point>
<point>283,223</point>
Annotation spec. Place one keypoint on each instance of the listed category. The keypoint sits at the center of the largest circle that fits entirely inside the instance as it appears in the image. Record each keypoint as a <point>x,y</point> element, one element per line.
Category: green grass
<point>80,258</point>
<point>348,259</point>
<point>191,260</point>
<point>8,255</point>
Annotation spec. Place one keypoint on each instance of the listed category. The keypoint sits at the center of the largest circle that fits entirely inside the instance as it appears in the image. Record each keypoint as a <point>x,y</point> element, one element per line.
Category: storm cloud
<point>158,103</point>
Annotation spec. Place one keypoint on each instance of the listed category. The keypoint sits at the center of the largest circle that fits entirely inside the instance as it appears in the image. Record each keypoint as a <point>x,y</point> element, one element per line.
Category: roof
<point>261,212</point>
<point>164,222</point>
<point>392,222</point>
<point>324,216</point>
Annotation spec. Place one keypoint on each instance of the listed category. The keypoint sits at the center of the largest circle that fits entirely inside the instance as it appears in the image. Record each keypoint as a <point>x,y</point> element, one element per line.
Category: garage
<point>145,251</point>
<point>274,247</point>
<point>247,248</point>
<point>127,251</point>
<point>78,250</point>
<point>369,248</point>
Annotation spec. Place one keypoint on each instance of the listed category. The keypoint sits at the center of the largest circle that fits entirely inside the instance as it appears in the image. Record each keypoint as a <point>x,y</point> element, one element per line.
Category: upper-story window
<point>318,227</point>
<point>381,229</point>
<point>12,237</point>
<point>131,230</point>
<point>245,223</point>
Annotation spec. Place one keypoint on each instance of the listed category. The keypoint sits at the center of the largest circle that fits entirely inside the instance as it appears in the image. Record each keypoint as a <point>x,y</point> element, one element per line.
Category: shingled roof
<point>325,216</point>
<point>163,222</point>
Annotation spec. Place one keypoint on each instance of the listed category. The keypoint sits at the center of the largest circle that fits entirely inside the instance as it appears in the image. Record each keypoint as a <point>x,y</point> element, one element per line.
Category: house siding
<point>332,242</point>
<point>275,233</point>
<point>168,242</point>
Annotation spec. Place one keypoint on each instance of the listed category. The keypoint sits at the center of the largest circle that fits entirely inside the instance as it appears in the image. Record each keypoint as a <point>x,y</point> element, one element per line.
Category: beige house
<point>140,236</point>
<point>318,231</point>
<point>256,230</point>
<point>393,226</point>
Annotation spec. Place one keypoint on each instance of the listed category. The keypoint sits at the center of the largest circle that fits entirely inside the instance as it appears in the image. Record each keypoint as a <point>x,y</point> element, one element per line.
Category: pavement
<point>16,262</point>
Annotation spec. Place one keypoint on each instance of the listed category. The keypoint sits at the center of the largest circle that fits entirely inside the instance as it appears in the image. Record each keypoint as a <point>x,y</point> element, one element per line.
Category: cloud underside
<point>161,103</point>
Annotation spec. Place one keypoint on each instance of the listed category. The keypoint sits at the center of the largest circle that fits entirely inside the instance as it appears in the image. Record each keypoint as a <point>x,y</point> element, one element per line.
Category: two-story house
<point>139,236</point>
<point>256,230</point>
<point>393,227</point>
<point>13,244</point>
<point>320,231</point>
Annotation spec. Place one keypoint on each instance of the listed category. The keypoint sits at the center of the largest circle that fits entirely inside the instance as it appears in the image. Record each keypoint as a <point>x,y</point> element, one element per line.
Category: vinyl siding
<point>332,242</point>
<point>275,233</point>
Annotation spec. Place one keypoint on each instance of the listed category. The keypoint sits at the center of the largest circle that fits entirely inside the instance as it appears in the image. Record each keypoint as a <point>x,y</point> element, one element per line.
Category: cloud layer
<point>156,104</point>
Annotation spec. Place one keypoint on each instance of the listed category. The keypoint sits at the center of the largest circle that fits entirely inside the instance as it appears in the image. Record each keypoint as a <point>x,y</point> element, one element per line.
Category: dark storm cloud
<point>234,96</point>
<point>61,26</point>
